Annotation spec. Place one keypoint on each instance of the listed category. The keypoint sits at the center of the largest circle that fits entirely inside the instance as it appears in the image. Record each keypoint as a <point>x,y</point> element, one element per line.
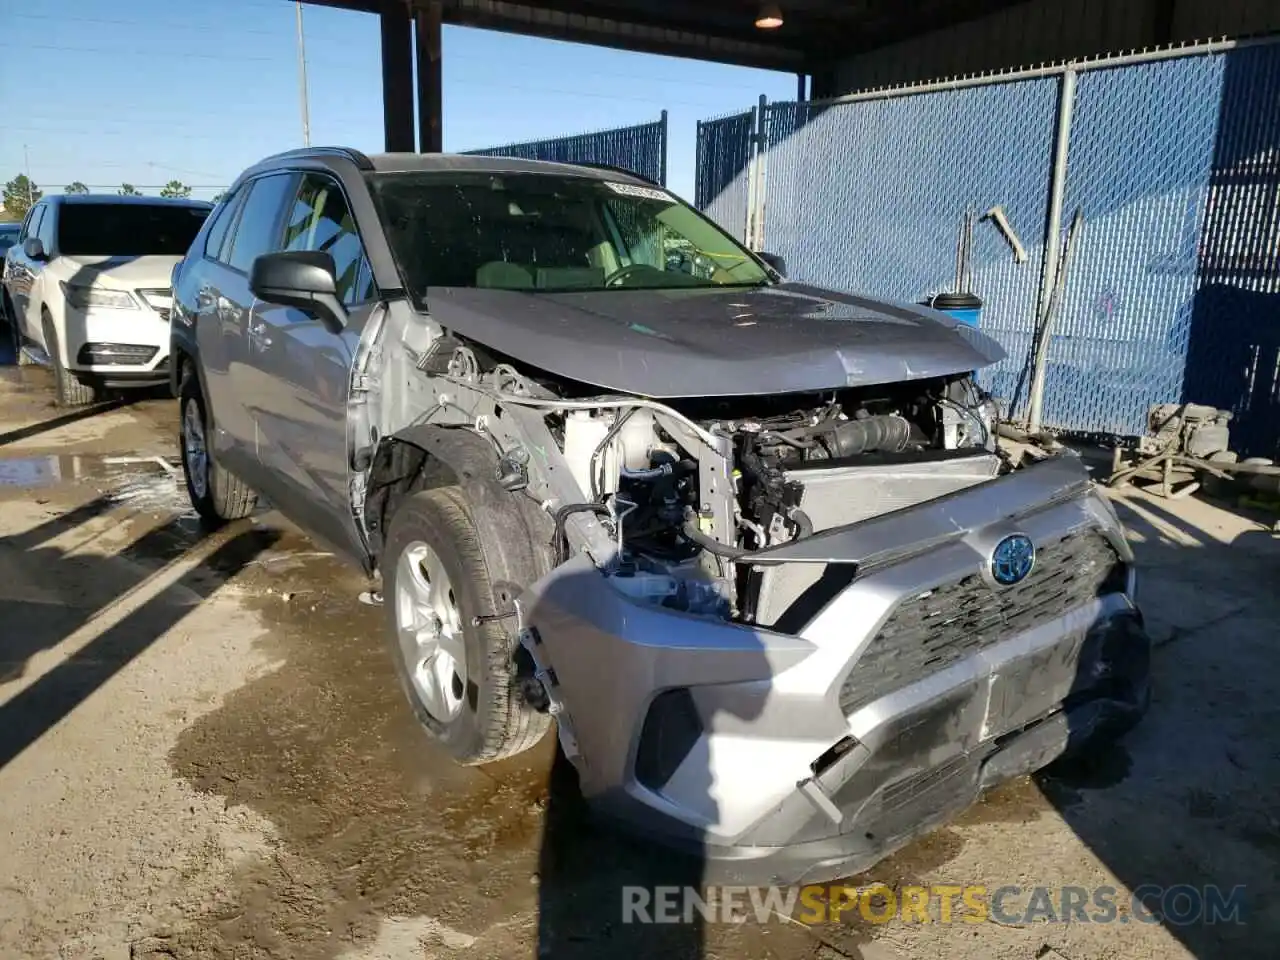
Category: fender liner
<point>515,534</point>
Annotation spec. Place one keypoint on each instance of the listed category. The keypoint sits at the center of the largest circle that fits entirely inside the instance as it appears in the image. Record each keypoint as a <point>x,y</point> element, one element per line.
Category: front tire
<point>460,678</point>
<point>71,392</point>
<point>216,495</point>
<point>15,333</point>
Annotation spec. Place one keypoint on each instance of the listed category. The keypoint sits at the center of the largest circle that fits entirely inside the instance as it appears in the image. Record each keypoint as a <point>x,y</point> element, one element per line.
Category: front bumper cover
<point>764,766</point>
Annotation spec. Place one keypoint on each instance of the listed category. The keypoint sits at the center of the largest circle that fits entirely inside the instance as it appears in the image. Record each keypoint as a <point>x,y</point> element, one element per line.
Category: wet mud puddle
<point>151,483</point>
<point>48,470</point>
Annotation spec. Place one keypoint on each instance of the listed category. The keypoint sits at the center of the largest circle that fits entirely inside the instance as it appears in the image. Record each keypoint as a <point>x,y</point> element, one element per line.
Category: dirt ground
<point>203,754</point>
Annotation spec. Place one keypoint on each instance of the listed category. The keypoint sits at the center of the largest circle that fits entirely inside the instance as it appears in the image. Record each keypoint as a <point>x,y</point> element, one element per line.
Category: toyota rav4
<point>751,545</point>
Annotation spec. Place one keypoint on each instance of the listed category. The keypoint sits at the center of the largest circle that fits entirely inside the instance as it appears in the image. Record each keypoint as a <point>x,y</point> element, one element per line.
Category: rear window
<point>127,229</point>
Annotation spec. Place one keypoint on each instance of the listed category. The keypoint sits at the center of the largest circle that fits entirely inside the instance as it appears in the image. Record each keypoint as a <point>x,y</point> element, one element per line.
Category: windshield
<point>127,229</point>
<point>537,232</point>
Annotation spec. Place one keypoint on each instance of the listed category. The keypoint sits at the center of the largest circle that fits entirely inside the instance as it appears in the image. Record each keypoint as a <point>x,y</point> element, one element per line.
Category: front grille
<point>928,633</point>
<point>116,354</point>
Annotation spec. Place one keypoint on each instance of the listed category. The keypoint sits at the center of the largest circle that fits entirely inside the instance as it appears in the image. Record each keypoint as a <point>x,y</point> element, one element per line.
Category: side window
<point>45,230</point>
<point>258,229</point>
<point>32,223</point>
<point>217,235</point>
<point>321,220</point>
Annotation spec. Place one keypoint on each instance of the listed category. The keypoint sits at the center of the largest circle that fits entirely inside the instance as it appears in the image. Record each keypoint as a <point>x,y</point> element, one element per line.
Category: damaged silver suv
<point>751,545</point>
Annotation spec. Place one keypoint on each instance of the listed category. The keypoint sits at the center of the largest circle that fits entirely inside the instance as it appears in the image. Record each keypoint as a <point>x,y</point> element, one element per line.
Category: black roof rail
<point>614,168</point>
<point>302,153</point>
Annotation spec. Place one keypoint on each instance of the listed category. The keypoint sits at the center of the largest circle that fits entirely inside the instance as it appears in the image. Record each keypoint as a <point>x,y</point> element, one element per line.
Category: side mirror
<point>33,247</point>
<point>302,279</point>
<point>775,261</point>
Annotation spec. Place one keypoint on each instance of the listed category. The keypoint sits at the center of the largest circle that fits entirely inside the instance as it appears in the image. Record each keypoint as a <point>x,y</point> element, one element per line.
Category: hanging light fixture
<point>769,17</point>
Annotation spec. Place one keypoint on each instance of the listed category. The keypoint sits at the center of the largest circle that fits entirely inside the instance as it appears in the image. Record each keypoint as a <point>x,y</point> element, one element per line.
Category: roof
<point>442,162</point>
<point>814,33</point>
<point>479,163</point>
<point>74,198</point>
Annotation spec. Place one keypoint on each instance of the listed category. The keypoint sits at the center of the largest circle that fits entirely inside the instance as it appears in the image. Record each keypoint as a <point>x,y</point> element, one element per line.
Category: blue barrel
<point>965,307</point>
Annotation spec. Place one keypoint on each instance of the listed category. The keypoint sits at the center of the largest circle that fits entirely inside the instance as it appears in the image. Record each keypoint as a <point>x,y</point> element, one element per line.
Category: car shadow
<point>1181,811</point>
<point>71,589</point>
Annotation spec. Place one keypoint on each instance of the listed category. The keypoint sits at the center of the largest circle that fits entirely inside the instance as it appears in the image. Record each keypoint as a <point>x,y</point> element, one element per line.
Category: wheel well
<point>510,522</point>
<point>182,362</point>
<point>400,469</point>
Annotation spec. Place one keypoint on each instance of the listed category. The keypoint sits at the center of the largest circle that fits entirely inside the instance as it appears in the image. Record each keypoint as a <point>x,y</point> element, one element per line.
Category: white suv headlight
<point>84,297</point>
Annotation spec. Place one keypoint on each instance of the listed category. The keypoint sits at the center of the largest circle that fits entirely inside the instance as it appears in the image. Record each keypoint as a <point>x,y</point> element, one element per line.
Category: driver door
<point>305,372</point>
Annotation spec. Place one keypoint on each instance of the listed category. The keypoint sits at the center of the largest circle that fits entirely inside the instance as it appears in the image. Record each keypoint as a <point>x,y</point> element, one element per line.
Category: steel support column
<point>397,78</point>
<point>430,79</point>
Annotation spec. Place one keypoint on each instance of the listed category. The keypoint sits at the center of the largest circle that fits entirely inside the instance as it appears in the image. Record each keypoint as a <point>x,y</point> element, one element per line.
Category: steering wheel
<point>614,279</point>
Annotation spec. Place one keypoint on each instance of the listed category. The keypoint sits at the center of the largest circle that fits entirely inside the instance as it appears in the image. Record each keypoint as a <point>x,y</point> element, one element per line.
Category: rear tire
<point>481,714</point>
<point>70,391</point>
<point>217,495</point>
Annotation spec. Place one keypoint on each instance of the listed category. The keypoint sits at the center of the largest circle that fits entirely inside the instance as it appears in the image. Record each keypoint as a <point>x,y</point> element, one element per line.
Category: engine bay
<point>647,482</point>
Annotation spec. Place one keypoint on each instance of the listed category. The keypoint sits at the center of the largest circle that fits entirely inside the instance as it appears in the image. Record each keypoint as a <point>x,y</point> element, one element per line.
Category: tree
<point>129,190</point>
<point>217,197</point>
<point>19,194</point>
<point>176,189</point>
<point>76,187</point>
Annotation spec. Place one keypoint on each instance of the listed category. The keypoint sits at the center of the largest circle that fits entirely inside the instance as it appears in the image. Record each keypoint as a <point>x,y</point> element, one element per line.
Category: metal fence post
<point>1052,246</point>
<point>662,160</point>
<point>755,181</point>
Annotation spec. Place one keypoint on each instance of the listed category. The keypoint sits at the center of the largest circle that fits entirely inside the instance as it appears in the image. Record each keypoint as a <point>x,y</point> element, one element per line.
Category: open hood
<point>715,342</point>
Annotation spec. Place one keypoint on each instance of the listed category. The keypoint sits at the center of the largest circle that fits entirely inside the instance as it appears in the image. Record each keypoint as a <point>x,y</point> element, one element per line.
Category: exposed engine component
<point>1186,442</point>
<point>848,438</point>
<point>1192,428</point>
<point>648,485</point>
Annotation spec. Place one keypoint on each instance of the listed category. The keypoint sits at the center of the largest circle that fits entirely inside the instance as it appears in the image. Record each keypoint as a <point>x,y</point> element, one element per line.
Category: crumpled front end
<point>809,750</point>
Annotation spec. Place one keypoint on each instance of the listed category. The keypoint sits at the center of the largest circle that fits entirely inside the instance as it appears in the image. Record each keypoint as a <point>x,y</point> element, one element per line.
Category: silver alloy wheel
<point>429,626</point>
<point>194,446</point>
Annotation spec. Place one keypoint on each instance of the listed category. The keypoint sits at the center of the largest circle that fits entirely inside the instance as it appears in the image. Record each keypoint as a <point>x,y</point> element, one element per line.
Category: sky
<point>146,91</point>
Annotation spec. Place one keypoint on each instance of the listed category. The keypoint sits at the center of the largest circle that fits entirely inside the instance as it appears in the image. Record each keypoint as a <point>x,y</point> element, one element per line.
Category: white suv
<point>87,290</point>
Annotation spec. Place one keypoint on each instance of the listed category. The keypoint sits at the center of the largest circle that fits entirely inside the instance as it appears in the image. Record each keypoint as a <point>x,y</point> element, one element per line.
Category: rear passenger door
<point>226,308</point>
<point>305,371</point>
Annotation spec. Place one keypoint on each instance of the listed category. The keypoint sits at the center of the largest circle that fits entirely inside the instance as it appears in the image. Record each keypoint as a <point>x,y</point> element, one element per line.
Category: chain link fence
<point>1172,291</point>
<point>870,197</point>
<point>641,149</point>
<point>724,151</point>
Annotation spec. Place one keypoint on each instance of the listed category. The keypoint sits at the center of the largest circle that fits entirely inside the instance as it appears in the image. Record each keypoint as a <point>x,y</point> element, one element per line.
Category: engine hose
<point>710,544</point>
<point>614,429</point>
<point>804,526</point>
<point>691,531</point>
<point>848,438</point>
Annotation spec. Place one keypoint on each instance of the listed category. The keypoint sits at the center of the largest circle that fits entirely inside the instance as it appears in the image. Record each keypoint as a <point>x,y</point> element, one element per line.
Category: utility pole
<point>302,79</point>
<point>26,164</point>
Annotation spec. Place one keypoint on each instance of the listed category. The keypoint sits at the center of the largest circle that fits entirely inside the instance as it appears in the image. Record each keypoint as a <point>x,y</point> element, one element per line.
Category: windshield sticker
<point>632,190</point>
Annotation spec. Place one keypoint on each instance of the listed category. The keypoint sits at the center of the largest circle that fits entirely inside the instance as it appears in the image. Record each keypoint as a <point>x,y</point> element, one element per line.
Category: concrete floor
<point>203,754</point>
